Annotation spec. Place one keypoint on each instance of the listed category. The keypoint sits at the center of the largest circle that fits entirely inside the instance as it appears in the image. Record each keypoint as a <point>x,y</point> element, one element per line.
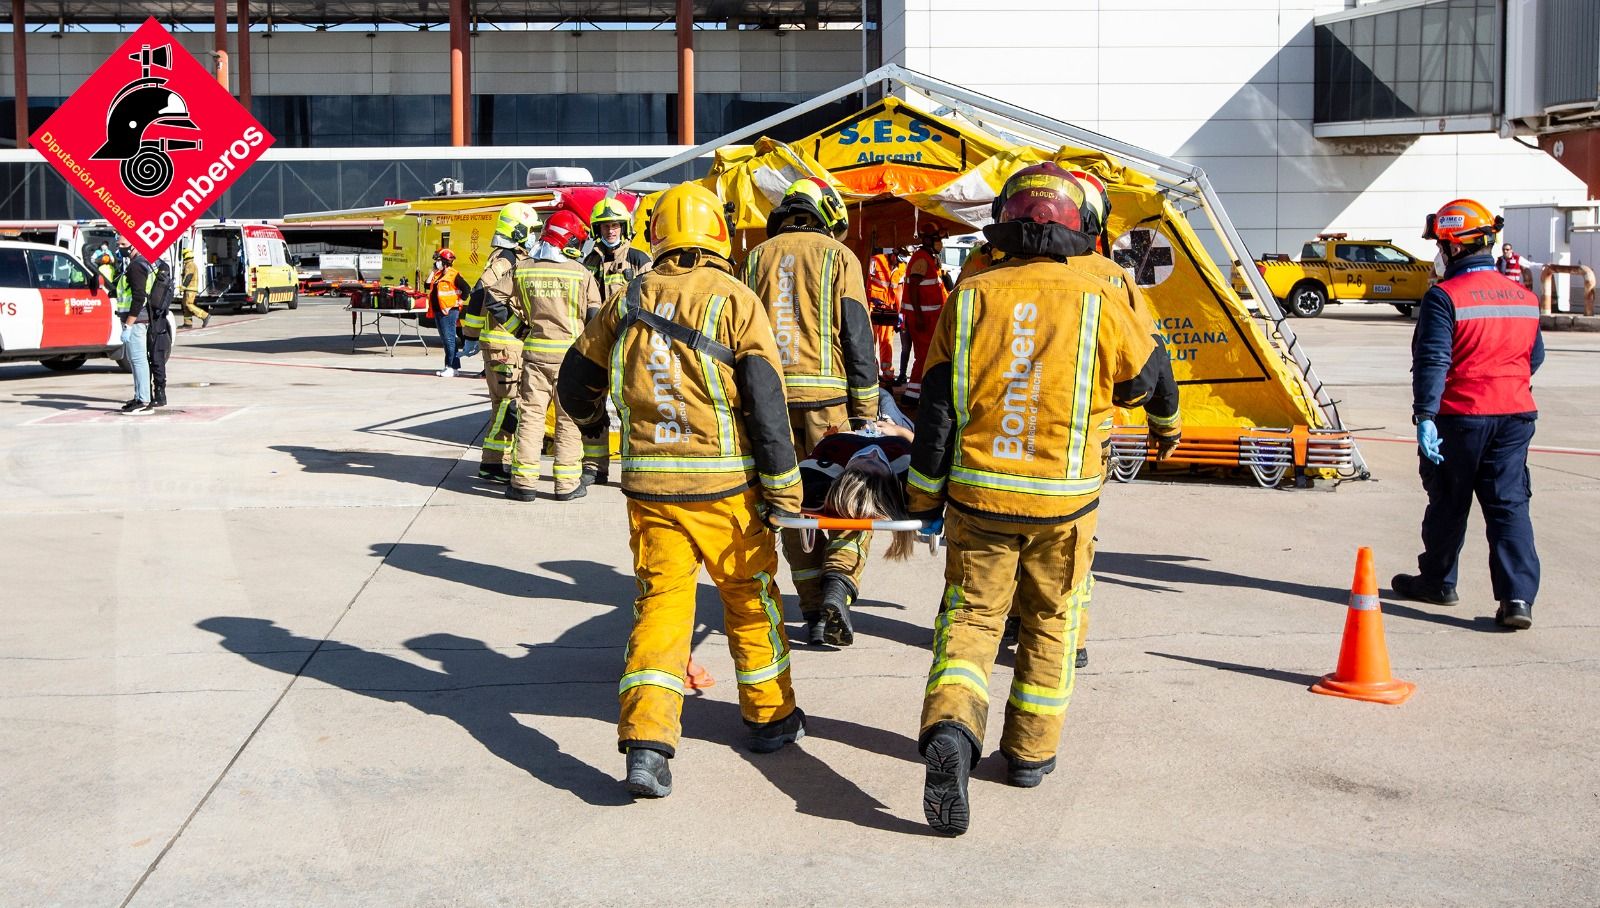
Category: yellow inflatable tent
<point>1246,400</point>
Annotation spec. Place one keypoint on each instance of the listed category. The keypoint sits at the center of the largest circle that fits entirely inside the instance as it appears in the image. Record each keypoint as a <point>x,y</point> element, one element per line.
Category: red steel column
<point>686,72</point>
<point>219,31</point>
<point>244,53</point>
<point>466,70</point>
<point>458,73</point>
<point>19,53</point>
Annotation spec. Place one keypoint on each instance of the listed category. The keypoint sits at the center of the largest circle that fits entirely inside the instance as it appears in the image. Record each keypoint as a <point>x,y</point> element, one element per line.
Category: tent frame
<point>1001,116</point>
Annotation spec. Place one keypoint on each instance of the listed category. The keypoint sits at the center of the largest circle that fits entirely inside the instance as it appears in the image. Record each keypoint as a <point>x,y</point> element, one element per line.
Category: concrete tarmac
<point>278,646</point>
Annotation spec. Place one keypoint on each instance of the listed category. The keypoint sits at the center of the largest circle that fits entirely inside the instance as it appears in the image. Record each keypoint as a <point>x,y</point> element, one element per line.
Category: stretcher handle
<point>844,523</point>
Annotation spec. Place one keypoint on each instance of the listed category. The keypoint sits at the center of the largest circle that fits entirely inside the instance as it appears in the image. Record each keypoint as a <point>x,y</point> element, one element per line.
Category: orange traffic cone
<point>1363,672</point>
<point>697,677</point>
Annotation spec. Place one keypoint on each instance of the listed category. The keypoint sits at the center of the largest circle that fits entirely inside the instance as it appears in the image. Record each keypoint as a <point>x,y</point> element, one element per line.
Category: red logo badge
<point>151,140</point>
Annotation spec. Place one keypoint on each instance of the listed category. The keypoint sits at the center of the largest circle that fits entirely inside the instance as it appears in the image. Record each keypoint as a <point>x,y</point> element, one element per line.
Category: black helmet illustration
<point>146,166</point>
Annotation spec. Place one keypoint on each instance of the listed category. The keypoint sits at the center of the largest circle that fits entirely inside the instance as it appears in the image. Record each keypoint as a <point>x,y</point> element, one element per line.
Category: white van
<point>241,265</point>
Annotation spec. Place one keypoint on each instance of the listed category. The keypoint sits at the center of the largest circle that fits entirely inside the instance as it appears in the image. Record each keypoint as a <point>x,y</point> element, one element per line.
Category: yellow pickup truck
<point>1336,269</point>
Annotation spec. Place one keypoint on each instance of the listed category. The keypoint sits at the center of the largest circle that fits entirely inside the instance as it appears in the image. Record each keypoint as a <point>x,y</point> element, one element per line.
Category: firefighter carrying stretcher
<point>1027,362</point>
<point>707,459</point>
<point>811,285</point>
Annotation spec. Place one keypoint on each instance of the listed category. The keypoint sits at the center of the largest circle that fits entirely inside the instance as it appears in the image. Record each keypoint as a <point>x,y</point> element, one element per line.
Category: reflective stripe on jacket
<point>1161,410</point>
<point>811,285</point>
<point>883,291</point>
<point>489,316</point>
<point>692,428</point>
<point>554,299</point>
<point>1496,329</point>
<point>924,292</point>
<point>1026,364</point>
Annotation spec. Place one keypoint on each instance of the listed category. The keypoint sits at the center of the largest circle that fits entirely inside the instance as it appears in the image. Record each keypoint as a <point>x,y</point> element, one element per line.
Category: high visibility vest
<point>1497,323</point>
<point>1514,267</point>
<point>444,287</point>
<point>882,290</point>
<point>924,291</point>
<point>108,273</point>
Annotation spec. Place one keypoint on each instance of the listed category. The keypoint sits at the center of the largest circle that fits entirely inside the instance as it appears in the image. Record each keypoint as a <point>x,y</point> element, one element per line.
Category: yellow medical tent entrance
<point>1250,398</point>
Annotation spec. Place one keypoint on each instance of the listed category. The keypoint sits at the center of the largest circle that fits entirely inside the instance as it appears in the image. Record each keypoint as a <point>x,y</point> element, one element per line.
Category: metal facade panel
<point>1569,52</point>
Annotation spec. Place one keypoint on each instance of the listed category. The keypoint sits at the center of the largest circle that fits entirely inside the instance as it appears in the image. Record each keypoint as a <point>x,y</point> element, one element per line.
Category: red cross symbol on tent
<point>1146,253</point>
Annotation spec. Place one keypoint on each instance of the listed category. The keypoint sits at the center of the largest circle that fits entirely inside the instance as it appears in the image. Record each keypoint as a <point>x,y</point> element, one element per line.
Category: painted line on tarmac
<point>429,373</point>
<point>197,332</point>
<point>1536,449</point>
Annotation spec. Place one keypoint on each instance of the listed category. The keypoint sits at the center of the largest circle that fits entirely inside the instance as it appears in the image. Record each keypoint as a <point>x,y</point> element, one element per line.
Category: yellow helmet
<point>689,216</point>
<point>517,221</point>
<point>611,211</point>
<point>188,252</point>
<point>813,194</point>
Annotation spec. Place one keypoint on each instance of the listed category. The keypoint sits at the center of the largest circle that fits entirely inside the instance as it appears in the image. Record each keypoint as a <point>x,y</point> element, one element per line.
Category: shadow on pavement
<point>1481,623</point>
<point>489,694</point>
<point>418,469</point>
<point>1179,569</point>
<point>1269,673</point>
<point>69,402</point>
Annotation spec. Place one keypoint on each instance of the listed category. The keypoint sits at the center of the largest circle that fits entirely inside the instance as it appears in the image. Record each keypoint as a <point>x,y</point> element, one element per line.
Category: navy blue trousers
<point>1486,456</point>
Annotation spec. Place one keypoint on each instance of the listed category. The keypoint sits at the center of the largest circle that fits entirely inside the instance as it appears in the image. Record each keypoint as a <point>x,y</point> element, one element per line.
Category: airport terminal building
<point>1308,115</point>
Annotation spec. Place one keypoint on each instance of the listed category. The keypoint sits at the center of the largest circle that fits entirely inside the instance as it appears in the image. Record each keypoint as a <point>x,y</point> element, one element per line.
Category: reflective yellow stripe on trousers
<point>1052,701</point>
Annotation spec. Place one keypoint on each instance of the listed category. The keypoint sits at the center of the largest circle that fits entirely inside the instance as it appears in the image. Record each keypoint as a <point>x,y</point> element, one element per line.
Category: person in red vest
<point>924,294</point>
<point>883,297</point>
<point>1509,263</point>
<point>1473,355</point>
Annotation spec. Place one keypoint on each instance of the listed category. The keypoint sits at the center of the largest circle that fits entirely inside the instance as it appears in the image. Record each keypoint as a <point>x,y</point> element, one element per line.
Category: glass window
<point>1389,255</point>
<point>1313,251</point>
<point>1347,253</point>
<point>13,269</point>
<point>56,271</point>
<point>1410,25</point>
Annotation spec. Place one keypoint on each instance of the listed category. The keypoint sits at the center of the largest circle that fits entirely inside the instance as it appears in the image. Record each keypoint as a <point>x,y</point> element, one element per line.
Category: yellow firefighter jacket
<point>1026,363</point>
<point>693,426</point>
<point>190,282</point>
<point>489,316</point>
<point>815,297</point>
<point>1161,409</point>
<point>554,298</point>
<point>614,268</point>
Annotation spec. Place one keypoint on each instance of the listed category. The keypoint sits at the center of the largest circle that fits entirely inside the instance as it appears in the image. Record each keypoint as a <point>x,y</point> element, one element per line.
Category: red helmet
<point>1463,221</point>
<point>446,256</point>
<point>1045,194</point>
<point>565,229</point>
<point>1096,203</point>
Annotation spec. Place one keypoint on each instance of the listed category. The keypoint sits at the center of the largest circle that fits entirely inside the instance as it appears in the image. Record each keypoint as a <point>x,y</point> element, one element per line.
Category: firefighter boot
<point>649,776</point>
<point>949,753</point>
<point>1024,774</point>
<point>516,494</point>
<point>770,736</point>
<point>837,594</point>
<point>1515,614</point>
<point>815,633</point>
<point>493,472</point>
<point>1082,658</point>
<point>596,474</point>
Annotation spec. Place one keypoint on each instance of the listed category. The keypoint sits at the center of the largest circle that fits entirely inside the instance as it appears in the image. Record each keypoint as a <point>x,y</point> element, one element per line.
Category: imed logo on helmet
<point>151,140</point>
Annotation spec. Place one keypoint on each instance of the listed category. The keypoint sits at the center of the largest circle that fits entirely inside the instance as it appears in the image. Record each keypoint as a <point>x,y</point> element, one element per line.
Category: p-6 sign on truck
<point>1336,269</point>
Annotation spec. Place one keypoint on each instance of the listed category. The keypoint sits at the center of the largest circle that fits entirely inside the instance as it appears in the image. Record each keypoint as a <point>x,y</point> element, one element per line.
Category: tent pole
<point>1269,304</point>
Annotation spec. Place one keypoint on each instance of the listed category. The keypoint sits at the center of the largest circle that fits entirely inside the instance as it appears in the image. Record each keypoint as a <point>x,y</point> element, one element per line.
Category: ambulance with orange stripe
<point>53,308</point>
<point>1336,269</point>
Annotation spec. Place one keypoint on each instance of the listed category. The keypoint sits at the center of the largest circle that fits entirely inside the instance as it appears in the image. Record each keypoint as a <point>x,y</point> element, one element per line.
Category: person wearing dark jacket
<point>133,288</point>
<point>1475,349</point>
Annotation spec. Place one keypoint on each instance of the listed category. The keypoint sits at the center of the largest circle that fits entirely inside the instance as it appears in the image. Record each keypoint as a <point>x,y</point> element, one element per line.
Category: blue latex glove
<point>933,527</point>
<point>1428,440</point>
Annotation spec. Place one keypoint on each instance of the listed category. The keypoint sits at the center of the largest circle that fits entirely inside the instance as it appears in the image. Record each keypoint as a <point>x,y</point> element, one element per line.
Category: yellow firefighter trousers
<point>502,370</point>
<point>1045,568</point>
<point>192,310</point>
<point>670,541</point>
<point>535,392</point>
<point>831,553</point>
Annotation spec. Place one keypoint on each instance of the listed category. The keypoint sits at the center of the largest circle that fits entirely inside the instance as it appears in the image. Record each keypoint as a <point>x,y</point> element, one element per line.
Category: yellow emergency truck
<point>1336,269</point>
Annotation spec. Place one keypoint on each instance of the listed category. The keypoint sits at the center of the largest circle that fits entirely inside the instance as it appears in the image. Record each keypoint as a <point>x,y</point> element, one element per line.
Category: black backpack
<point>159,300</point>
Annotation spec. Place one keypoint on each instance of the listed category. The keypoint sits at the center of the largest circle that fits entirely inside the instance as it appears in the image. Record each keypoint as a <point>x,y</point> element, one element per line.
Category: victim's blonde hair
<point>869,490</point>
